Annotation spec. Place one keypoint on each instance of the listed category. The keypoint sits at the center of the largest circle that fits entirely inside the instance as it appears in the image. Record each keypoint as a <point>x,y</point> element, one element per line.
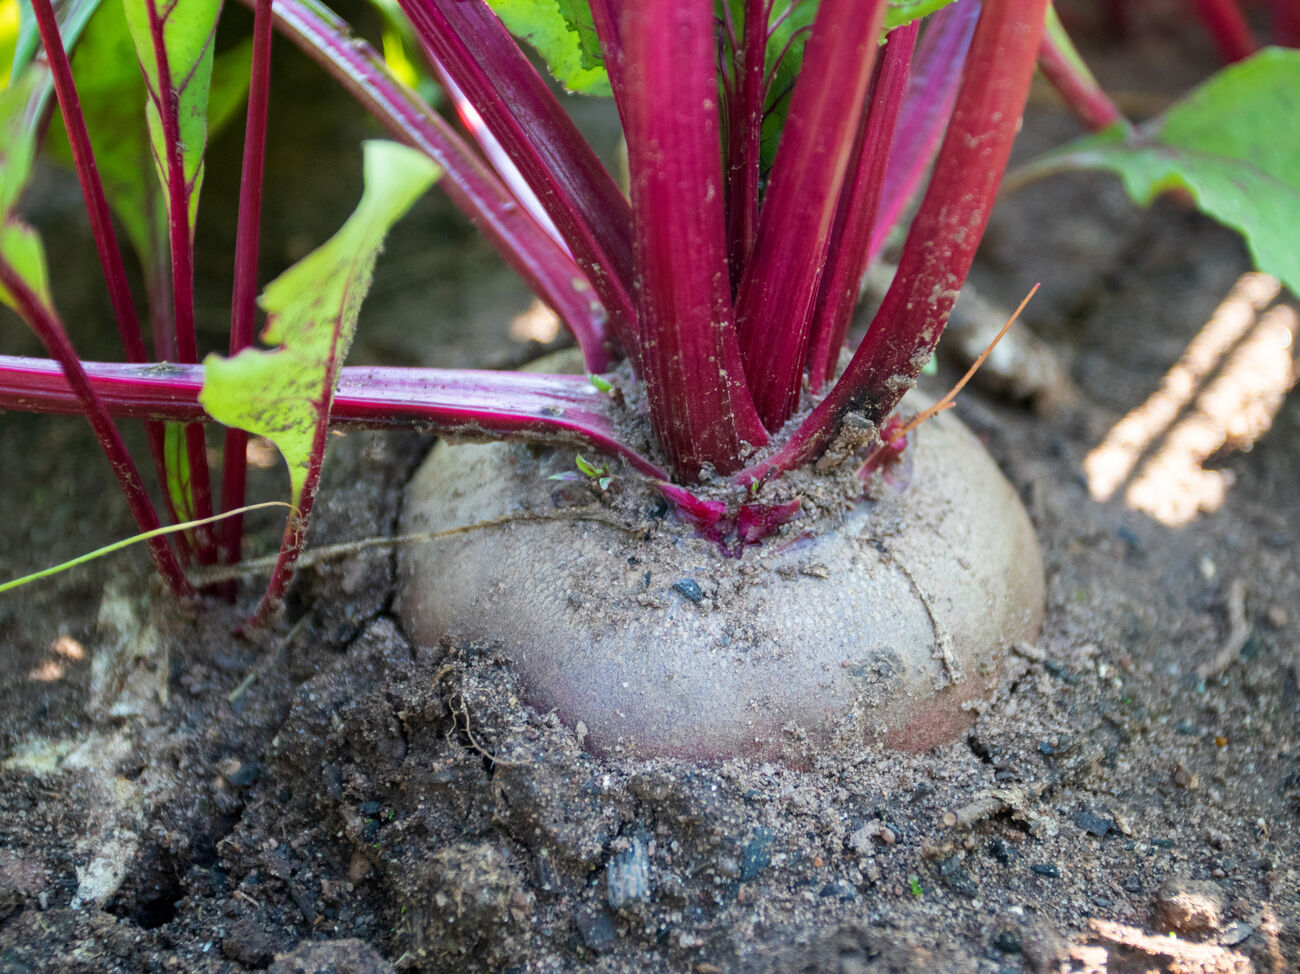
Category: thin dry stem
<point>947,401</point>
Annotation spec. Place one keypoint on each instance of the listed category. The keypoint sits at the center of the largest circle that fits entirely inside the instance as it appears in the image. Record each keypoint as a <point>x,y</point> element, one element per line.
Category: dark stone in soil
<point>957,879</point>
<point>839,889</point>
<point>689,588</point>
<point>548,879</point>
<point>1002,852</point>
<point>597,930</point>
<point>1094,824</point>
<point>757,855</point>
<point>1009,942</point>
<point>249,943</point>
<point>245,775</point>
<point>1059,671</point>
<point>1048,869</point>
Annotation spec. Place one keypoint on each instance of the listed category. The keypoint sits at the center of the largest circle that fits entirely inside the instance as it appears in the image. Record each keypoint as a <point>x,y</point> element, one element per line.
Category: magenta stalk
<point>243,304</point>
<point>1065,69</point>
<point>745,133</point>
<point>778,290</point>
<point>54,337</point>
<point>544,265</point>
<point>927,105</point>
<point>97,210</point>
<point>943,238</point>
<point>182,254</point>
<point>101,223</point>
<point>847,261</point>
<point>459,403</point>
<point>579,195</point>
<point>700,406</point>
<point>1227,25</point>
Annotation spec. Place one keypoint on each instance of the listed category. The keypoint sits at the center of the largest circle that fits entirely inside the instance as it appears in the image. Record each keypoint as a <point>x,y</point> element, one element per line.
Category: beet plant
<point>772,145</point>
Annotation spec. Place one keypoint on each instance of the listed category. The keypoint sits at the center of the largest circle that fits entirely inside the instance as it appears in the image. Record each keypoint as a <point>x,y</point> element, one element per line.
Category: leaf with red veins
<point>174,44</point>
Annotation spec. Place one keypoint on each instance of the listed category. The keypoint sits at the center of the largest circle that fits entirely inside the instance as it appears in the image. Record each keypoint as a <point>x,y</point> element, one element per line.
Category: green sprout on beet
<point>602,384</point>
<point>588,472</point>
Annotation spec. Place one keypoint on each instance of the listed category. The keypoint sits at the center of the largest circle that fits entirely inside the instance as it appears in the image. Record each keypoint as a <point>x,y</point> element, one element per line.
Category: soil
<point>331,798</point>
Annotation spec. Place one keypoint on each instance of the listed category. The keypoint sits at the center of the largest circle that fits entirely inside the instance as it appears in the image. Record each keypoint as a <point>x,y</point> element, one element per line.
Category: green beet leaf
<point>21,249</point>
<point>17,142</point>
<point>111,91</point>
<point>900,12</point>
<point>72,16</point>
<point>1232,144</point>
<point>20,245</point>
<point>285,394</point>
<point>563,34</point>
<point>183,50</point>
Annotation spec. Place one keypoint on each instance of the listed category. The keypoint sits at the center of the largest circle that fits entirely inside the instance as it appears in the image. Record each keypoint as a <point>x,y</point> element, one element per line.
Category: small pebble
<point>728,866</point>
<point>757,854</point>
<point>548,878</point>
<point>1000,851</point>
<point>1236,933</point>
<point>840,890</point>
<point>1094,824</point>
<point>244,775</point>
<point>628,875</point>
<point>1189,906</point>
<point>1009,942</point>
<point>1048,869</point>
<point>358,868</point>
<point>1059,671</point>
<point>596,930</point>
<point>689,588</point>
<point>956,878</point>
